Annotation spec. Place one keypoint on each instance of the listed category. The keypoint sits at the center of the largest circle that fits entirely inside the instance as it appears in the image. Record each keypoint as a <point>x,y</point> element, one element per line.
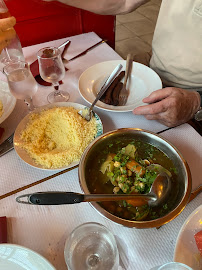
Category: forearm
<point>105,7</point>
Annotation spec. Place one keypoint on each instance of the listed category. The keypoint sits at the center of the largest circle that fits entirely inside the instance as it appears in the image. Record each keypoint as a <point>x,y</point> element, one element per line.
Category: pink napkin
<point>3,230</point>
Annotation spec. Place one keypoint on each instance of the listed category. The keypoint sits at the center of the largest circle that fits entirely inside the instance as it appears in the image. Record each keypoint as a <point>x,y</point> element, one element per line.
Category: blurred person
<point>176,56</point>
<point>7,32</point>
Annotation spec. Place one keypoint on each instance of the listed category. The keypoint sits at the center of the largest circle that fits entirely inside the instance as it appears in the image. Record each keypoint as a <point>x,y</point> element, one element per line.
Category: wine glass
<point>51,69</point>
<point>21,82</point>
<point>91,246</point>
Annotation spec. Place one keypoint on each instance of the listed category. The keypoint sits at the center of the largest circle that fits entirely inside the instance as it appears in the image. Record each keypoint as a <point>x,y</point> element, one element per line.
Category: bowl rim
<point>130,223</point>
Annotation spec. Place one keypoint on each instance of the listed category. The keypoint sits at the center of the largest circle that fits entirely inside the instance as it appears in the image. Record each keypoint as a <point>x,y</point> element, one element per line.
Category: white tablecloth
<point>44,229</point>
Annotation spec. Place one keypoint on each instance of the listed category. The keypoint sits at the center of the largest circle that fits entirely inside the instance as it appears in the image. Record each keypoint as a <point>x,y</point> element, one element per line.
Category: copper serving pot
<point>184,182</point>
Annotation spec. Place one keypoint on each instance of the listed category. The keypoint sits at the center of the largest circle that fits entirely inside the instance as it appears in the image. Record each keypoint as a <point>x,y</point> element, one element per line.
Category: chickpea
<point>141,185</point>
<point>120,185</point>
<point>116,189</point>
<point>129,172</point>
<point>146,162</point>
<point>133,189</point>
<point>117,164</point>
<point>122,169</point>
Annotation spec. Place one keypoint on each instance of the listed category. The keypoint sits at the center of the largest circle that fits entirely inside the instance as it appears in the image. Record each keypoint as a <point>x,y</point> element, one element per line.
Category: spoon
<point>158,194</point>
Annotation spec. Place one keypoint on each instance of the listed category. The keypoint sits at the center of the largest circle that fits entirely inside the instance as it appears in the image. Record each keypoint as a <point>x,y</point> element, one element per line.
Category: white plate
<point>7,99</point>
<point>143,81</point>
<point>15,257</point>
<point>17,141</point>
<point>186,250</point>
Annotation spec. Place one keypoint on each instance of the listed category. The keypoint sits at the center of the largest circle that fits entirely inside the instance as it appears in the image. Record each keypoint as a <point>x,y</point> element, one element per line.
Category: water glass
<point>91,246</point>
<point>21,82</point>
<point>172,266</point>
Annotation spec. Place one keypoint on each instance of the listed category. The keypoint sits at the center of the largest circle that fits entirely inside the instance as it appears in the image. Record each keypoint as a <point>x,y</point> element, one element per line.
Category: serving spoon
<point>159,193</point>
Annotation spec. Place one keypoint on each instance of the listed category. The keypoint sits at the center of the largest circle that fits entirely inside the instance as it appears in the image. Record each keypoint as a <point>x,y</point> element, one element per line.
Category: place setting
<point>83,182</point>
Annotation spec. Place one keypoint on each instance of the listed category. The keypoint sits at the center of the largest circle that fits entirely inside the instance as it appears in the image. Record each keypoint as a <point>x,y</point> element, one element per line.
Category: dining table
<point>45,228</point>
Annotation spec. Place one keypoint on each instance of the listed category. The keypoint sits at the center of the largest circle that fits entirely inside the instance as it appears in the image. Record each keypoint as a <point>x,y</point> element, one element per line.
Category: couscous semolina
<point>58,136</point>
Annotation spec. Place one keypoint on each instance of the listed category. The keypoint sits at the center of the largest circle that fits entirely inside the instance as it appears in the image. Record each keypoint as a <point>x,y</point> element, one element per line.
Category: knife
<point>84,52</point>
<point>7,145</point>
<point>34,67</point>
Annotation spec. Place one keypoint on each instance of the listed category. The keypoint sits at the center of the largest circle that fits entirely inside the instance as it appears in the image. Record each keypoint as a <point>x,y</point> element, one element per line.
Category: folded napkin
<point>3,229</point>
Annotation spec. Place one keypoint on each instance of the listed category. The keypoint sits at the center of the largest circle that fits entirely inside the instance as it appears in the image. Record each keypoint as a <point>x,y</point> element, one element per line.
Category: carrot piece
<point>137,202</point>
<point>135,167</point>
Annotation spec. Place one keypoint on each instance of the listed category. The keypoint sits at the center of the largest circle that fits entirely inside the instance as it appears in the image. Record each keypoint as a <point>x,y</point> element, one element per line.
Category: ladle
<point>158,194</point>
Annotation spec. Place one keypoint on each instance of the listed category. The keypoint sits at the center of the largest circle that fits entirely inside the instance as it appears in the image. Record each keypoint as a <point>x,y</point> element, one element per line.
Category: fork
<point>7,145</point>
<point>123,96</point>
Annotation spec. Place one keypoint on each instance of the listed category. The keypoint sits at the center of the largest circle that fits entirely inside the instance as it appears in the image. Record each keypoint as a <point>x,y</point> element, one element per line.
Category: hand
<point>7,32</point>
<point>170,106</point>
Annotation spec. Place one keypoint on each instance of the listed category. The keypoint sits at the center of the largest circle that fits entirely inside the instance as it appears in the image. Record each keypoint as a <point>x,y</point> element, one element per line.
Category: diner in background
<point>176,56</point>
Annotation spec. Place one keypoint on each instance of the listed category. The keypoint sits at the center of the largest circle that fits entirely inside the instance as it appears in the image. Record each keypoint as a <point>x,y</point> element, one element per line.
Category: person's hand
<point>7,32</point>
<point>170,106</point>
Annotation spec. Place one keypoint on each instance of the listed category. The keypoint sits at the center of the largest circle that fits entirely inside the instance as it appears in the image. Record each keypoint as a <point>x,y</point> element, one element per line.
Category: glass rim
<point>175,263</point>
<point>90,223</point>
<point>57,50</point>
<point>11,63</point>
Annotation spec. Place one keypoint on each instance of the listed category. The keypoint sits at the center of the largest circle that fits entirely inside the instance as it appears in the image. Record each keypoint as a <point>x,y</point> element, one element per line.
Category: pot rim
<point>130,223</point>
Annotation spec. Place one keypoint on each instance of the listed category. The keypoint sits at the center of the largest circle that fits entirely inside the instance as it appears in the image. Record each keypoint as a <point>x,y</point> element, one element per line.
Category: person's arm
<point>7,32</point>
<point>105,7</point>
<point>170,106</point>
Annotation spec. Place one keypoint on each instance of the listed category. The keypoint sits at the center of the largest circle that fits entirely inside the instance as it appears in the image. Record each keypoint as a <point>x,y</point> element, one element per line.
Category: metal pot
<point>183,185</point>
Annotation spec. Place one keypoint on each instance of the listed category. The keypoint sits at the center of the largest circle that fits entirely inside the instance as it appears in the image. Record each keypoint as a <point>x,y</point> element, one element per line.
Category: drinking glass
<point>172,266</point>
<point>91,246</point>
<point>51,69</point>
<point>21,82</point>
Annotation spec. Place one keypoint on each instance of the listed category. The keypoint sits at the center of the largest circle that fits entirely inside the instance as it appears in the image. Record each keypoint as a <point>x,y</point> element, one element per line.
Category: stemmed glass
<point>21,82</point>
<point>51,69</point>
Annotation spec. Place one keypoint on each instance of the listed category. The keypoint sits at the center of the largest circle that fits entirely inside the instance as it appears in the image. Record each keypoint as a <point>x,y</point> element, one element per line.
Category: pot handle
<point>195,193</point>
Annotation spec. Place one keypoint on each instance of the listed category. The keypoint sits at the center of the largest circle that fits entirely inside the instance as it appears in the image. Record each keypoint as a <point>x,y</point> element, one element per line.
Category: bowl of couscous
<point>54,137</point>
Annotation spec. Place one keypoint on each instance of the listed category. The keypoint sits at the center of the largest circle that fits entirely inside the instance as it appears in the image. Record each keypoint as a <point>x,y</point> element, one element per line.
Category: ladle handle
<point>56,198</point>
